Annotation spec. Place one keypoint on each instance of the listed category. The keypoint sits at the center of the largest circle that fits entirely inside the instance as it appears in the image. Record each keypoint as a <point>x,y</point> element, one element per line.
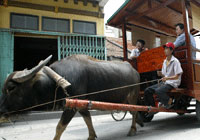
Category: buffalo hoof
<point>91,138</point>
<point>132,132</point>
<point>4,120</point>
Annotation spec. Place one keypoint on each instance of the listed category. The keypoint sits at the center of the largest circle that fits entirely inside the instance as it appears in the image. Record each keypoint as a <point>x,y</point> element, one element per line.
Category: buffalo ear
<point>22,76</point>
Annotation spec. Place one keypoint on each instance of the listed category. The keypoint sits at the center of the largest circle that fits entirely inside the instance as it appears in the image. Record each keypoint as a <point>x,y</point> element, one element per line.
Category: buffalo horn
<point>22,76</point>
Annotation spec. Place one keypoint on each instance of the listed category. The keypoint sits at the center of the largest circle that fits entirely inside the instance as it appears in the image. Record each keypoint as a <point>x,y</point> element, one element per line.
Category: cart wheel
<point>118,115</point>
<point>145,117</point>
<point>198,110</point>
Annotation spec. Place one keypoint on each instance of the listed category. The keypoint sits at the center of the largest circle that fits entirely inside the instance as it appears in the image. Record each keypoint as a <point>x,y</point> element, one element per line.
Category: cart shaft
<point>95,105</point>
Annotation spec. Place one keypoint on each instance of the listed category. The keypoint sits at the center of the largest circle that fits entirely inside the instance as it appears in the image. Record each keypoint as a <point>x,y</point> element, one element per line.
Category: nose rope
<point>55,96</point>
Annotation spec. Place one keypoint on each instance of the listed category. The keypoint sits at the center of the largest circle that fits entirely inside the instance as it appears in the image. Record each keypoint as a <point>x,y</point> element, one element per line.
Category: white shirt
<point>135,52</point>
<point>174,68</point>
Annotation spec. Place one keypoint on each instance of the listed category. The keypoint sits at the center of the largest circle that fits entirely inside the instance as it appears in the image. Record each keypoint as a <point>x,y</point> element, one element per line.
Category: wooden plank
<point>138,15</point>
<point>172,9</point>
<point>196,72</point>
<point>137,6</point>
<point>184,78</point>
<point>150,60</point>
<point>95,105</point>
<point>152,25</point>
<point>182,54</point>
<point>160,23</point>
<point>155,31</point>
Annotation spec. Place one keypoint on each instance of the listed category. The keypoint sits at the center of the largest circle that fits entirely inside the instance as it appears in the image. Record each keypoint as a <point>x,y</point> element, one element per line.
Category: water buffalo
<point>27,88</point>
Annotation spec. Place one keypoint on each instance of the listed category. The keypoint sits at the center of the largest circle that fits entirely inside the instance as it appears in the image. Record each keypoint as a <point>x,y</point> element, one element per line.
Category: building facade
<point>31,30</point>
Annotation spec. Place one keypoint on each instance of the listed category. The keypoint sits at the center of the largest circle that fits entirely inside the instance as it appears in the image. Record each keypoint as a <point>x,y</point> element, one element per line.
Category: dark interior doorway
<point>29,51</point>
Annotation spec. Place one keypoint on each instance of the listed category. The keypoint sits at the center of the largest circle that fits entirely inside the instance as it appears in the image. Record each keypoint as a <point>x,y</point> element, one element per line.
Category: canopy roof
<point>156,15</point>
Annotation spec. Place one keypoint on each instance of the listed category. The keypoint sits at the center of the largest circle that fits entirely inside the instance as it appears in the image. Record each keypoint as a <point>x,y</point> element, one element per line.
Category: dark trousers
<point>160,90</point>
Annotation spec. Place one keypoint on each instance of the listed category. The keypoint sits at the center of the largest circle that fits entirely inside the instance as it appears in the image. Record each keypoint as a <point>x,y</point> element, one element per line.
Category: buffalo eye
<point>11,87</point>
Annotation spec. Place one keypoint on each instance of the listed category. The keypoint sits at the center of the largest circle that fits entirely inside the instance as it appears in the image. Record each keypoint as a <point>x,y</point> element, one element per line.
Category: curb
<point>44,115</point>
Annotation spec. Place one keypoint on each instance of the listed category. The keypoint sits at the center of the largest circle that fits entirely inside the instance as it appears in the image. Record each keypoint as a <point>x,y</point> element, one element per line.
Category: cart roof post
<point>185,11</point>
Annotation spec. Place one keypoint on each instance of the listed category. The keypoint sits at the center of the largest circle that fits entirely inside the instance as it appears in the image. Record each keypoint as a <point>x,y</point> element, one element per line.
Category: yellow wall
<point>195,16</point>
<point>5,15</point>
<point>149,37</point>
<point>165,39</point>
<point>61,3</point>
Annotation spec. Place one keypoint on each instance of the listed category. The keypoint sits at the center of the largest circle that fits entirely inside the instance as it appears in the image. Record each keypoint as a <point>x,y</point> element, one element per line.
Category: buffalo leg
<point>132,99</point>
<point>88,120</point>
<point>66,117</point>
<point>133,128</point>
<point>139,120</point>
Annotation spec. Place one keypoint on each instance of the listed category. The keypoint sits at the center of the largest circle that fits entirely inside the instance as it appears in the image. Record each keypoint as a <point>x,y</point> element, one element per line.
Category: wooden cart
<point>158,16</point>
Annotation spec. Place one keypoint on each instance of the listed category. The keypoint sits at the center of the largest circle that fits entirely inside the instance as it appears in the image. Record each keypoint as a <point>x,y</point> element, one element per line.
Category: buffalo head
<point>21,88</point>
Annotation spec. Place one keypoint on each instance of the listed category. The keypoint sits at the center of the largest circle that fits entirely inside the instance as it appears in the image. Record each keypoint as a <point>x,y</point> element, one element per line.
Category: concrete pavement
<point>165,126</point>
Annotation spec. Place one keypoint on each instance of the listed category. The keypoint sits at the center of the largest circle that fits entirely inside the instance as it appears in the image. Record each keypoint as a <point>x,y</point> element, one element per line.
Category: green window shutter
<point>6,55</point>
<point>90,45</point>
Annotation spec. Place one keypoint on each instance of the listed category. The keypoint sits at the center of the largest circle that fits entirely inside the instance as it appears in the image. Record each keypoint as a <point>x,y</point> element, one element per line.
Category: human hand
<point>164,79</point>
<point>159,73</point>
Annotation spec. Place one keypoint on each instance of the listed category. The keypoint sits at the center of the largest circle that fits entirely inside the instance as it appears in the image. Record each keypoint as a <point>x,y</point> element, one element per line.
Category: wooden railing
<point>152,60</point>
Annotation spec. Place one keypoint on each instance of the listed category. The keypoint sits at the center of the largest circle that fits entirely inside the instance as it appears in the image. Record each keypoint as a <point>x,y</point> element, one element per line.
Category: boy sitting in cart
<point>139,49</point>
<point>171,73</point>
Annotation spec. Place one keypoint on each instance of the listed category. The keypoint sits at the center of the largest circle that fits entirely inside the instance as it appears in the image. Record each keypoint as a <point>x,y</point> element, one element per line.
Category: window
<point>84,27</point>
<point>54,24</point>
<point>158,41</point>
<point>21,21</point>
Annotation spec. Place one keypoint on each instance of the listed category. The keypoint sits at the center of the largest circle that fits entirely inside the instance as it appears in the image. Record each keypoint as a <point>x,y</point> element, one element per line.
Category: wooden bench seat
<point>178,90</point>
<point>173,91</point>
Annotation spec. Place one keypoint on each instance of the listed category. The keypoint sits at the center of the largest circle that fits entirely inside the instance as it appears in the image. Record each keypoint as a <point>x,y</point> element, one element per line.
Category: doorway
<point>28,52</point>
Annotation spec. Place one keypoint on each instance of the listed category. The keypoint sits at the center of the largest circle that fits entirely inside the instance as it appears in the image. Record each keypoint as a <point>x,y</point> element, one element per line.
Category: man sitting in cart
<point>139,48</point>
<point>180,40</point>
<point>171,73</point>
